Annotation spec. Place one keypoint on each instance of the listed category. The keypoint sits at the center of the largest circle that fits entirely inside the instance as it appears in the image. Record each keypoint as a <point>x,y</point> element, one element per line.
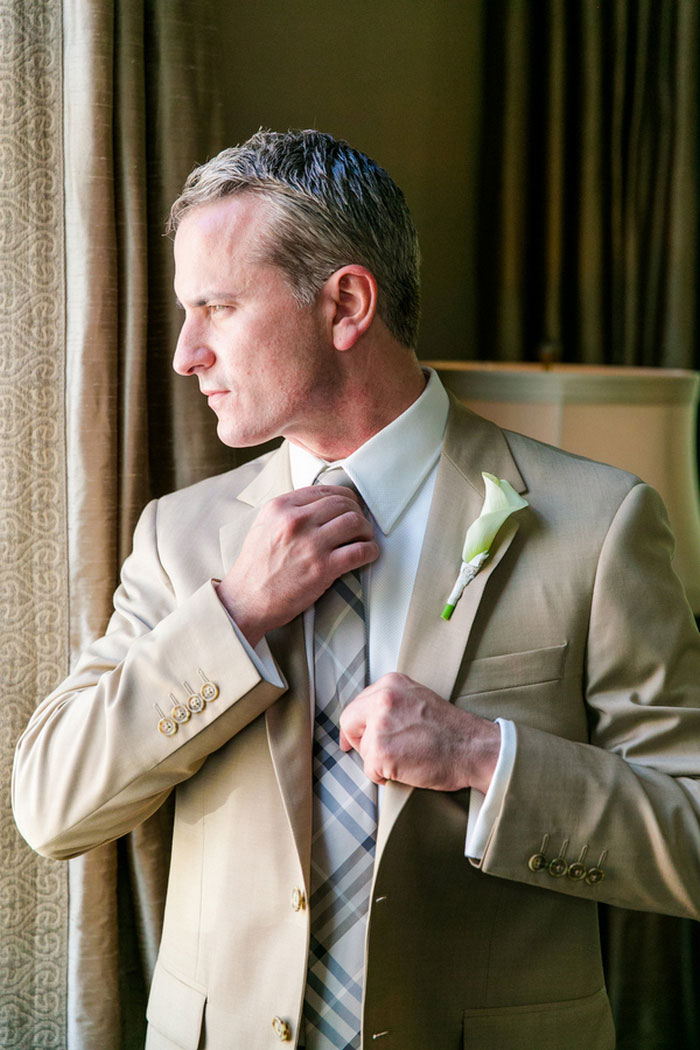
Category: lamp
<point>640,419</point>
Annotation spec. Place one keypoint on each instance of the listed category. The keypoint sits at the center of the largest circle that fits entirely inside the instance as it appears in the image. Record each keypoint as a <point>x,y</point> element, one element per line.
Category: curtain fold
<point>586,245</point>
<point>679,331</point>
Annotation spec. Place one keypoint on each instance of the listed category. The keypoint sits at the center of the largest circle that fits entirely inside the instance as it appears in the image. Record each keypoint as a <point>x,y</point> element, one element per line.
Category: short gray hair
<point>331,206</point>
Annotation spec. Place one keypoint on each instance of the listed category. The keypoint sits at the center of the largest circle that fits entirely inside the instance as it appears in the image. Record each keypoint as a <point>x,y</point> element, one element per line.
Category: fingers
<point>406,732</point>
<point>335,510</point>
<point>343,535</point>
<point>350,556</point>
<point>356,731</point>
<point>346,526</point>
<point>352,735</point>
<point>323,501</point>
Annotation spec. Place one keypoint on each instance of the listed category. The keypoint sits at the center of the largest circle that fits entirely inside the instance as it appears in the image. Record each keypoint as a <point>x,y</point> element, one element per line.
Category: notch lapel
<point>432,648</point>
<point>274,479</point>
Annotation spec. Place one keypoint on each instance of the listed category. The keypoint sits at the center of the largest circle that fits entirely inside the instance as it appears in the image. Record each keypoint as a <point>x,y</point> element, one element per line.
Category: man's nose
<point>191,352</point>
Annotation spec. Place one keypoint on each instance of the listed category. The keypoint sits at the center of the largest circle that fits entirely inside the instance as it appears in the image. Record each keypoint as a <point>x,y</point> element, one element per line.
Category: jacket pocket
<point>175,1011</point>
<point>533,667</point>
<point>577,1024</point>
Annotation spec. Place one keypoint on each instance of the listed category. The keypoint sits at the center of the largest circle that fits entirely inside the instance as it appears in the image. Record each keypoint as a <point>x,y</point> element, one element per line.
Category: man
<point>534,754</point>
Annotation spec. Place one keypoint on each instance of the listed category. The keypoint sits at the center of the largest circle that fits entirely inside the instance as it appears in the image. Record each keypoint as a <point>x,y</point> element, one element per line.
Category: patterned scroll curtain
<point>33,562</point>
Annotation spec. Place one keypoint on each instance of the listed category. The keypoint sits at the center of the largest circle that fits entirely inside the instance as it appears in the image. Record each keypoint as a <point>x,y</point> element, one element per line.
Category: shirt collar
<point>389,469</point>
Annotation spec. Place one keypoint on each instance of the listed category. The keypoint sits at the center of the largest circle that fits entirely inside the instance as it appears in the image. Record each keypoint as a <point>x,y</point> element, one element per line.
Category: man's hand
<point>406,732</point>
<point>300,543</point>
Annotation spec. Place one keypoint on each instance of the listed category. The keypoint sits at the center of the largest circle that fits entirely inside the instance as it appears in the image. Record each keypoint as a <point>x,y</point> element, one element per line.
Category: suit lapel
<point>287,720</point>
<point>274,479</point>
<point>432,648</point>
<point>288,723</point>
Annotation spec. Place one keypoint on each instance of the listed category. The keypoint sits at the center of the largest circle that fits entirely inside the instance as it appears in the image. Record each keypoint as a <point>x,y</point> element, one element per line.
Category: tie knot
<point>334,476</point>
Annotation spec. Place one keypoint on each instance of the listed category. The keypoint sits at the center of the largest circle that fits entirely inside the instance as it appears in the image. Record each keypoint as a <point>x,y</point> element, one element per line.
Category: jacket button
<point>298,899</point>
<point>594,876</point>
<point>281,1029</point>
<point>167,727</point>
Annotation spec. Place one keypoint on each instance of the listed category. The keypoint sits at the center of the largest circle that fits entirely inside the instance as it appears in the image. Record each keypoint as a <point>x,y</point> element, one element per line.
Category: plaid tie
<point>344,823</point>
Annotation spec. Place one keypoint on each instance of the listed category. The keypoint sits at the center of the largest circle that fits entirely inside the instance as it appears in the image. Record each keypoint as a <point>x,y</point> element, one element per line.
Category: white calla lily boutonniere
<point>500,501</point>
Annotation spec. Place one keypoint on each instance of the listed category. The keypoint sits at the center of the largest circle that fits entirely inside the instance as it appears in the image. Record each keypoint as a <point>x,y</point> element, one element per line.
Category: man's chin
<point>242,437</point>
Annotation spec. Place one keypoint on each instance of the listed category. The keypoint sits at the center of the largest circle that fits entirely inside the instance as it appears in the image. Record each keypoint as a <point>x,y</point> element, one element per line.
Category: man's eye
<point>219,308</point>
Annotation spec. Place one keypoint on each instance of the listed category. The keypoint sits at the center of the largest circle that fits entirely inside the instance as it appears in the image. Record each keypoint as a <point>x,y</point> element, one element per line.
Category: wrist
<point>250,626</point>
<point>484,749</point>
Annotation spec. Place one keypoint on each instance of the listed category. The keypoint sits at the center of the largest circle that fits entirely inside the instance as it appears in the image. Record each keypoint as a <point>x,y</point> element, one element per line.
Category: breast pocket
<point>535,687</point>
<point>514,670</point>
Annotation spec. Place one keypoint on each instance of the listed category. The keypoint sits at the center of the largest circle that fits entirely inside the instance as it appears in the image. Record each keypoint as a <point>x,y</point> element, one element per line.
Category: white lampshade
<point>640,419</point>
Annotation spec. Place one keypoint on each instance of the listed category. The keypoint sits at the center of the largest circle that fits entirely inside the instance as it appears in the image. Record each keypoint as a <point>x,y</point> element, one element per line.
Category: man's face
<point>263,362</point>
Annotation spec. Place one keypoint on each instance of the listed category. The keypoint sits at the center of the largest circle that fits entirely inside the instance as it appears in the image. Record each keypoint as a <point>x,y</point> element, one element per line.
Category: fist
<point>406,732</point>
<point>299,544</point>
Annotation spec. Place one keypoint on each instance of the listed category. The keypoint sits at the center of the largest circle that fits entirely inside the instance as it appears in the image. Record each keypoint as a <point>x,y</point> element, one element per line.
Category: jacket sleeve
<point>167,685</point>
<point>626,804</point>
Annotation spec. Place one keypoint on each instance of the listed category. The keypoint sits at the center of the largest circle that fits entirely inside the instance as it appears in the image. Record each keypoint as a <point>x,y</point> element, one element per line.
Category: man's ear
<point>352,291</point>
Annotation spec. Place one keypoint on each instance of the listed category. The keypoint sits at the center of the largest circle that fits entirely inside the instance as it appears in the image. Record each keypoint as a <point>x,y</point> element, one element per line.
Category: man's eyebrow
<point>210,297</point>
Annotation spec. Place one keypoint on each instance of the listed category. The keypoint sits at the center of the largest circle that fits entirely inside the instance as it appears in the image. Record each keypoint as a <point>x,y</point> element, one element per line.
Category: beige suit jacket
<point>576,629</point>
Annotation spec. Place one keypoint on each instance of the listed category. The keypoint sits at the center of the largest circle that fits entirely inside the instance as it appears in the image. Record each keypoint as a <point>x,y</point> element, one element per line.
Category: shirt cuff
<point>261,657</point>
<point>484,810</point>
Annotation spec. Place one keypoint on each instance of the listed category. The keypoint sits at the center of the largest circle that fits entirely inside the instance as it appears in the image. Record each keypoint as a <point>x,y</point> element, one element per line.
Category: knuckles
<point>357,522</point>
<point>393,687</point>
<point>288,524</point>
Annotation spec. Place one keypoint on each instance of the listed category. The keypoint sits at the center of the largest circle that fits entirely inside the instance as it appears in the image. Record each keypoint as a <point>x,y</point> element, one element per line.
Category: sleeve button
<point>537,862</point>
<point>557,867</point>
<point>196,703</point>
<point>209,691</point>
<point>576,871</point>
<point>167,727</point>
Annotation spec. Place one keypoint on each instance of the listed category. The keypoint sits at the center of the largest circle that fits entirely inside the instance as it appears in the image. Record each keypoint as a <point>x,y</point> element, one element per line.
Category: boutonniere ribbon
<point>500,501</point>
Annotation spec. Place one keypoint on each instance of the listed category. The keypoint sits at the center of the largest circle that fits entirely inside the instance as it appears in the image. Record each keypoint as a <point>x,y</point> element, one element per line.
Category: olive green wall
<point>400,80</point>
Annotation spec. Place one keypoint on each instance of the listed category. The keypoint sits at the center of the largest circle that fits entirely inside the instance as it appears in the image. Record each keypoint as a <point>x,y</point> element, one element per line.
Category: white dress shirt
<point>394,473</point>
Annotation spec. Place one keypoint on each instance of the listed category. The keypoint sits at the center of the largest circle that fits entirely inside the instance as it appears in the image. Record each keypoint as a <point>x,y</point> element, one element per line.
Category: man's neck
<point>365,411</point>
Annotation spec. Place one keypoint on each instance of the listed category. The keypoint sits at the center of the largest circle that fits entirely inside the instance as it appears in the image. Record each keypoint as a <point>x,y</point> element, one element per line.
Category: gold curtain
<point>136,81</point>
